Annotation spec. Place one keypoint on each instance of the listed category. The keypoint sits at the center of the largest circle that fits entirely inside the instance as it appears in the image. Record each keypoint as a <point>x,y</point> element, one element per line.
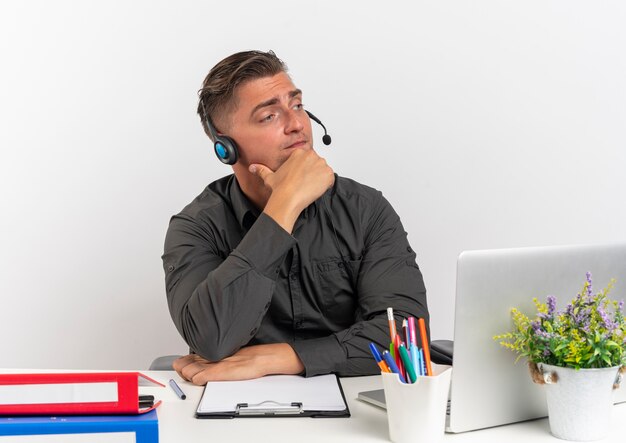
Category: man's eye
<point>299,107</point>
<point>268,118</point>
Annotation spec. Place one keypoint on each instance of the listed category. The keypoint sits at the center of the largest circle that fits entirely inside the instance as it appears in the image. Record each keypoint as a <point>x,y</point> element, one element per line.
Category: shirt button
<point>299,324</point>
<point>408,248</point>
<point>170,268</point>
<point>294,277</point>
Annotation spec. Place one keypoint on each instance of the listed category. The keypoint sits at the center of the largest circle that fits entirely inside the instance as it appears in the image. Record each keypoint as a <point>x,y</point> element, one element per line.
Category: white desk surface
<point>367,424</point>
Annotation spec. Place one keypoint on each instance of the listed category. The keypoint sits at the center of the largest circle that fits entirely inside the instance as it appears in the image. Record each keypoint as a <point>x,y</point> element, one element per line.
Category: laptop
<point>487,388</point>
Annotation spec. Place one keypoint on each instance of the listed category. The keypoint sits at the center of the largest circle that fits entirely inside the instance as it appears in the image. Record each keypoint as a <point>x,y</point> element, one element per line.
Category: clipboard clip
<point>269,407</point>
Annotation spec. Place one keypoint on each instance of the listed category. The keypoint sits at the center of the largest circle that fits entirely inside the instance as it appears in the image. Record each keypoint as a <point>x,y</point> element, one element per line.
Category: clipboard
<point>274,396</point>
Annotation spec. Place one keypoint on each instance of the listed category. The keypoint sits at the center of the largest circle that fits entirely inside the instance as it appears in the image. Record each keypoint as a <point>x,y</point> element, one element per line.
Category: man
<point>282,267</point>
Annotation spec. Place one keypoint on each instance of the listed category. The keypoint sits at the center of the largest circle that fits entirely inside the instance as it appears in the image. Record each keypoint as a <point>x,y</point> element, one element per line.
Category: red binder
<point>72,394</point>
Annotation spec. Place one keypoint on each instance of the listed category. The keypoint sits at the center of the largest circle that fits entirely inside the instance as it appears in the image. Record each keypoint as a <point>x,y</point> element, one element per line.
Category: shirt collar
<point>245,212</point>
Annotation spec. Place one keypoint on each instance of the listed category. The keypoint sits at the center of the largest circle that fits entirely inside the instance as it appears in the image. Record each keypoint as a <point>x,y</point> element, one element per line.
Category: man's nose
<point>294,122</point>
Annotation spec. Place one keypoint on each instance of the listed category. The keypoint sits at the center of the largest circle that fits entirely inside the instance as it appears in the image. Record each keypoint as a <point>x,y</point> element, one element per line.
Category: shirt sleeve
<point>386,276</point>
<point>209,296</point>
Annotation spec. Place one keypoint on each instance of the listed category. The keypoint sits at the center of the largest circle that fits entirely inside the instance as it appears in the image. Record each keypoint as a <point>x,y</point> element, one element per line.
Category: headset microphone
<point>326,138</point>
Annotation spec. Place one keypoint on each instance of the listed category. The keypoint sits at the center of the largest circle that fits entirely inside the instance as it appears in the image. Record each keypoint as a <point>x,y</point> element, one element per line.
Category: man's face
<point>269,122</point>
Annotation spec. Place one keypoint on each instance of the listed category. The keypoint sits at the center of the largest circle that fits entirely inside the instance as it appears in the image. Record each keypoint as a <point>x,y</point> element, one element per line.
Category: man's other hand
<point>247,363</point>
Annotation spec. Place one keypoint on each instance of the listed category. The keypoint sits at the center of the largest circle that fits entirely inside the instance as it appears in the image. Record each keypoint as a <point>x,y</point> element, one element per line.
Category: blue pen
<point>415,359</point>
<point>379,360</point>
<point>422,362</point>
<point>392,365</point>
<point>375,352</point>
<point>415,353</point>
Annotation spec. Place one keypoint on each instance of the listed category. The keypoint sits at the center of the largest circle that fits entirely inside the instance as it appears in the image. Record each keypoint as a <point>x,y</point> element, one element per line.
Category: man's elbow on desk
<point>207,343</point>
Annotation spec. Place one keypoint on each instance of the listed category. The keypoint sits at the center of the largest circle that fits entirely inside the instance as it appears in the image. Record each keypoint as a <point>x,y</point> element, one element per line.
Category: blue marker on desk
<point>392,365</point>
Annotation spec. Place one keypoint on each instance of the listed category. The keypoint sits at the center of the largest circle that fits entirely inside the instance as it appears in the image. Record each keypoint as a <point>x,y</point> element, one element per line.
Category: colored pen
<point>415,359</point>
<point>422,325</point>
<point>177,389</point>
<point>408,365</point>
<point>392,324</point>
<point>398,359</point>
<point>405,332</point>
<point>422,363</point>
<point>412,331</point>
<point>383,366</point>
<point>392,365</point>
<point>379,360</point>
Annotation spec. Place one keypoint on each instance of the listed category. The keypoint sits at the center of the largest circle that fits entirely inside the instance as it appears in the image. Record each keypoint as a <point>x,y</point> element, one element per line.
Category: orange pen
<point>422,326</point>
<point>383,366</point>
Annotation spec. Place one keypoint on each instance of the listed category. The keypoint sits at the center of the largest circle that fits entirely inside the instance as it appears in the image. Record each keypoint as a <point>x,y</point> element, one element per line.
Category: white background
<point>487,124</point>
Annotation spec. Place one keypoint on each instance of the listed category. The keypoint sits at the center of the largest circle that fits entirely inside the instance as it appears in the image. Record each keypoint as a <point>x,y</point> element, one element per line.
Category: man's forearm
<point>216,305</point>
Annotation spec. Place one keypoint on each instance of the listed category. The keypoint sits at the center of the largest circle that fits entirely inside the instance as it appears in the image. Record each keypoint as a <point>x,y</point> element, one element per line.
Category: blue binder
<point>145,426</point>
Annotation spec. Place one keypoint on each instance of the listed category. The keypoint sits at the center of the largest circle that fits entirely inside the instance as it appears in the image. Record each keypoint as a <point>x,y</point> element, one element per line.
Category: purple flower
<point>589,285</point>
<point>551,305</point>
<point>546,352</point>
<point>535,325</point>
<point>606,319</point>
<point>538,330</point>
<point>583,317</point>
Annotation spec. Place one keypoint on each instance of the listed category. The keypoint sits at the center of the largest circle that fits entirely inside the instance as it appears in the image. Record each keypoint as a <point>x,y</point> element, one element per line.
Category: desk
<point>367,424</point>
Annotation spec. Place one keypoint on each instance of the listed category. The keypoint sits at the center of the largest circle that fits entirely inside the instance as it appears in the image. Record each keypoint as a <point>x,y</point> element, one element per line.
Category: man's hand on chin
<point>301,180</point>
<point>247,363</point>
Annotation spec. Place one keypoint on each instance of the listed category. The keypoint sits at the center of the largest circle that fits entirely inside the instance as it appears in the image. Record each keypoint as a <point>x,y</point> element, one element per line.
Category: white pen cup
<point>417,412</point>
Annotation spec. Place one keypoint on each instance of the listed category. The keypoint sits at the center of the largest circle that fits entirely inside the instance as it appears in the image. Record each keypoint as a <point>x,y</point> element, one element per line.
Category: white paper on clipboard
<point>320,393</point>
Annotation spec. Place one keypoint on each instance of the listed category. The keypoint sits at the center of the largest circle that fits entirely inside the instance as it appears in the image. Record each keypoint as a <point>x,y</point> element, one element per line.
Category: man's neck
<point>252,187</point>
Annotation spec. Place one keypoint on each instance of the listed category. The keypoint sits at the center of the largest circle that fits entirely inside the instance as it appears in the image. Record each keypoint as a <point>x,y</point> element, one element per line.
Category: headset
<point>226,148</point>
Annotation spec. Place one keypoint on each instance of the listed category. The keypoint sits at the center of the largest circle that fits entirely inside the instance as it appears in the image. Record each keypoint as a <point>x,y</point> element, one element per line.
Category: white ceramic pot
<point>580,402</point>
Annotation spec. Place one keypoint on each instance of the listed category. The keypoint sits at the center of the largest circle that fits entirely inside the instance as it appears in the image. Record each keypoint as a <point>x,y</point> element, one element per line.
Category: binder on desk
<point>274,396</point>
<point>72,393</point>
<point>127,428</point>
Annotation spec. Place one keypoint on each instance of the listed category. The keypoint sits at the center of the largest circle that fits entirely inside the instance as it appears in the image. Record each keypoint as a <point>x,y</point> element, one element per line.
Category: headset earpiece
<point>226,149</point>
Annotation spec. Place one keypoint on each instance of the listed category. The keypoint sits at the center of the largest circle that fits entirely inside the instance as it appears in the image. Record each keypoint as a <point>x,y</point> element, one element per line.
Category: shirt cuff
<point>320,355</point>
<point>265,246</point>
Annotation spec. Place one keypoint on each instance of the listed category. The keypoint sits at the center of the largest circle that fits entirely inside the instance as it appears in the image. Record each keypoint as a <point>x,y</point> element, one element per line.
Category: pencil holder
<point>417,412</point>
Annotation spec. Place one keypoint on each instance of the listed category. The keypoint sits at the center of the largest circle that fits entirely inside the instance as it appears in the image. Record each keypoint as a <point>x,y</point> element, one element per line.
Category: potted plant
<point>579,353</point>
